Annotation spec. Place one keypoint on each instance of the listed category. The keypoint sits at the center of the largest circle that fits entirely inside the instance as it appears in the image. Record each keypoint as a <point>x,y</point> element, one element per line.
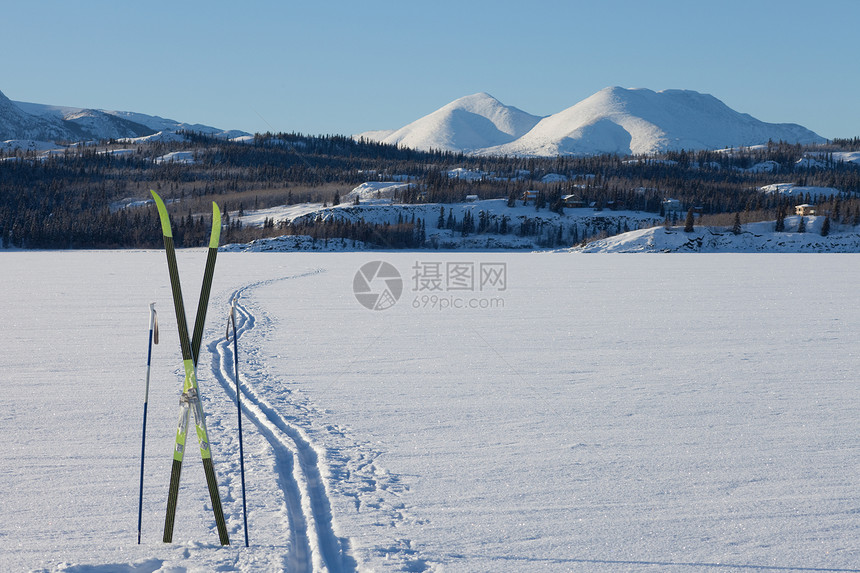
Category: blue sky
<point>345,67</point>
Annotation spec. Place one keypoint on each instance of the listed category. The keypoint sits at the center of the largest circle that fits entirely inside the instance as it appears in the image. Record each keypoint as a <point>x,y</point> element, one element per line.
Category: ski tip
<point>215,238</point>
<point>162,214</point>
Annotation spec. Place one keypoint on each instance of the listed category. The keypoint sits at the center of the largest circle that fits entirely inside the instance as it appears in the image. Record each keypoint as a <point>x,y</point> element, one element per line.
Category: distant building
<point>471,198</point>
<point>573,202</point>
<point>805,209</point>
<point>670,205</point>
<point>530,195</point>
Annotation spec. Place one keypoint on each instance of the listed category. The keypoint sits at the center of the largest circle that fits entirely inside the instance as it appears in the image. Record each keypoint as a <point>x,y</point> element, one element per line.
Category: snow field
<point>625,413</point>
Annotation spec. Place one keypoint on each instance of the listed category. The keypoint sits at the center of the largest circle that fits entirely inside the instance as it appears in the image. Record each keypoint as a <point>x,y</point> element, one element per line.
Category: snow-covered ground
<point>793,190</point>
<point>371,209</point>
<point>754,238</point>
<point>509,412</point>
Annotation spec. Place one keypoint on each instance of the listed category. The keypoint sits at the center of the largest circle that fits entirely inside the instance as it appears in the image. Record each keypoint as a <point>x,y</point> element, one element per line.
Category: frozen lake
<point>508,412</point>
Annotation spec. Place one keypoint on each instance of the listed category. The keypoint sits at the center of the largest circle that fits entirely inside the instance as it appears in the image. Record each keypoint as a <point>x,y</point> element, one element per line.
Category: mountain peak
<point>619,120</point>
<point>469,123</point>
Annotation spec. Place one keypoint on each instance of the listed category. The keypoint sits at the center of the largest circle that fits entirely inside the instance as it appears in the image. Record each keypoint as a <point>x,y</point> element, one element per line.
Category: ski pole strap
<point>154,327</point>
<point>153,322</point>
<point>189,397</point>
<point>231,317</point>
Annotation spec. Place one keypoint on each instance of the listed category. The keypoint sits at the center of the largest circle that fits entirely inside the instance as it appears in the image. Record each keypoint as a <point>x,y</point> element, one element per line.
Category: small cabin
<point>805,209</point>
<point>573,202</point>
<point>530,195</point>
<point>471,198</point>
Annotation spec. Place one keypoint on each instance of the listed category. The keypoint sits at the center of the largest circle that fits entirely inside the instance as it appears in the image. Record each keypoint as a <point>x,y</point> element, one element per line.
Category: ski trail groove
<point>313,544</point>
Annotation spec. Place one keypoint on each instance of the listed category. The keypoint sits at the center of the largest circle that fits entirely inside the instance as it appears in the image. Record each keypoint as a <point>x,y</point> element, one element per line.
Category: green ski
<point>190,399</point>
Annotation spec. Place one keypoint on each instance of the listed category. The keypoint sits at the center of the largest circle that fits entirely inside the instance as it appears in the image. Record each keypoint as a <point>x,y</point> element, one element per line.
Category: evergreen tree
<point>780,219</point>
<point>801,227</point>
<point>689,224</point>
<point>736,227</point>
<point>825,227</point>
<point>468,223</point>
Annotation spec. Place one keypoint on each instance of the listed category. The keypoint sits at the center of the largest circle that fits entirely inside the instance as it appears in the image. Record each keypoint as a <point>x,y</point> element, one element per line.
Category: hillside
<point>95,196</point>
<point>753,238</point>
<point>614,120</point>
<point>51,123</point>
<point>494,225</point>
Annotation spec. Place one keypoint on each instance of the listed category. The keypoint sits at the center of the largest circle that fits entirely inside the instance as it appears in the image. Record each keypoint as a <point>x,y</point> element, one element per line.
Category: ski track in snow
<point>314,546</point>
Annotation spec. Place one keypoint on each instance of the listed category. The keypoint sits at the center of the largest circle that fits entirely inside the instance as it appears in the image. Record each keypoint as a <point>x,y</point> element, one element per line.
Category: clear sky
<point>323,67</point>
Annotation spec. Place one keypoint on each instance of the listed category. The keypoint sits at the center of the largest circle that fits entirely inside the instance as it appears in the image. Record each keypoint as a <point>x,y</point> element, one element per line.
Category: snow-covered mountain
<point>23,120</point>
<point>614,120</point>
<point>15,123</point>
<point>468,124</point>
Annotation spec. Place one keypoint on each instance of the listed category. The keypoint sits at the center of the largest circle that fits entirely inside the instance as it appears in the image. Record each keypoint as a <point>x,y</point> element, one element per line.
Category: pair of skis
<point>190,399</point>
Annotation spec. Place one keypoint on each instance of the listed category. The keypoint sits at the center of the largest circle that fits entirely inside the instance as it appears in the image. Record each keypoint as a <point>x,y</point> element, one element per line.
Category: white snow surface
<point>614,120</point>
<point>754,238</point>
<point>847,156</point>
<point>186,157</point>
<point>613,413</point>
<point>375,190</point>
<point>29,145</point>
<point>162,136</point>
<point>794,190</point>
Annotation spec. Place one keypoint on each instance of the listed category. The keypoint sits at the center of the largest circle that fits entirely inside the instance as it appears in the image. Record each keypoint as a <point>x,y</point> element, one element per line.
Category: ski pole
<point>232,319</point>
<point>153,339</point>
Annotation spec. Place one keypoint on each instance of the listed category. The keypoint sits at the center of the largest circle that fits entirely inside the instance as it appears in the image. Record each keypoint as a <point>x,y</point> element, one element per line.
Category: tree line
<point>89,197</point>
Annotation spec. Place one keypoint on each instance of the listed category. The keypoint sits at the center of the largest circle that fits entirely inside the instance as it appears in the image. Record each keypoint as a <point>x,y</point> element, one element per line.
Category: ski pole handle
<point>153,322</point>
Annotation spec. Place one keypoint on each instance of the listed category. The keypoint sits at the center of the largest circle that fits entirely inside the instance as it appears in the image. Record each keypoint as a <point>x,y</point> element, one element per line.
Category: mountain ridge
<point>615,120</point>
<point>33,121</point>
